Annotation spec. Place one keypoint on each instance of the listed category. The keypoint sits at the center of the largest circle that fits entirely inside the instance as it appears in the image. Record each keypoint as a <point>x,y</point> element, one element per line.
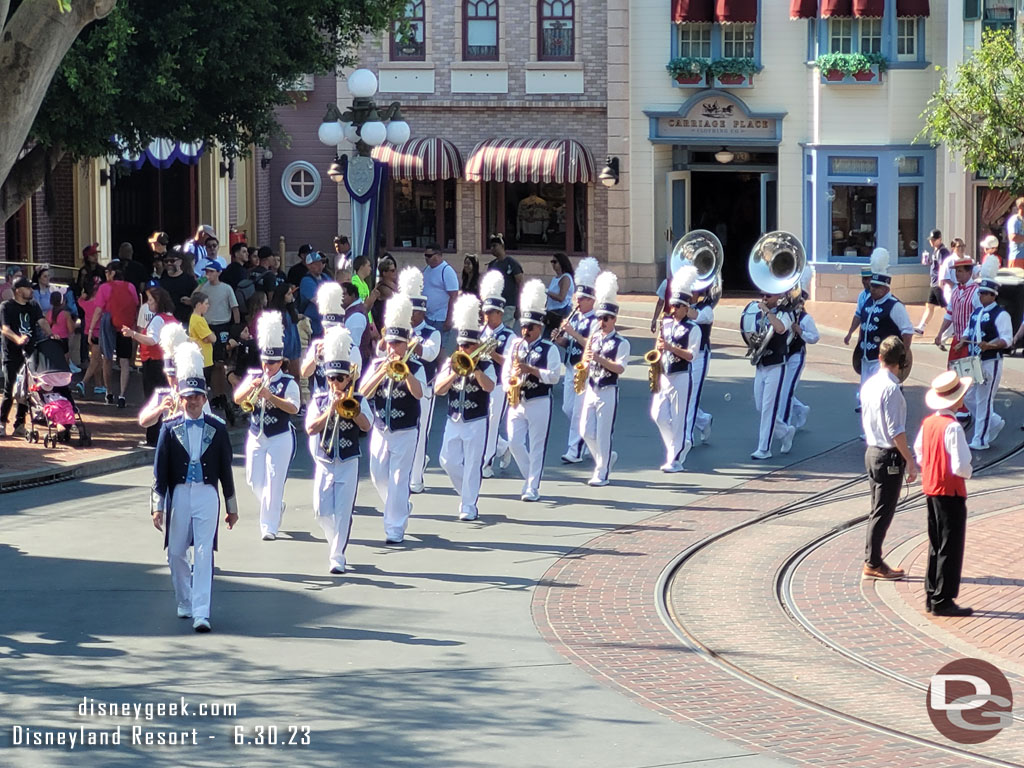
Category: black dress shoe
<point>949,608</point>
<point>337,570</point>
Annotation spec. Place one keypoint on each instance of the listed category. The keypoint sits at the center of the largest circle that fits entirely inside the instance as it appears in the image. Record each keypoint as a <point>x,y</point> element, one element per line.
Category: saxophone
<point>582,369</point>
<point>514,392</point>
<point>653,359</point>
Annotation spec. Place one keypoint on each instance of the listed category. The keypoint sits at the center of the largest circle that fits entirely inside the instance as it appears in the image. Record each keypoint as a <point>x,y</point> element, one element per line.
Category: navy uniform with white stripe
<point>270,444</point>
<point>702,313</point>
<point>537,365</point>
<point>469,395</point>
<point>573,335</point>
<point>193,457</point>
<point>882,315</point>
<point>330,304</point>
<point>395,402</point>
<point>491,286</point>
<point>804,332</point>
<point>335,420</point>
<point>608,355</point>
<point>989,333</point>
<point>768,378</point>
<point>679,343</point>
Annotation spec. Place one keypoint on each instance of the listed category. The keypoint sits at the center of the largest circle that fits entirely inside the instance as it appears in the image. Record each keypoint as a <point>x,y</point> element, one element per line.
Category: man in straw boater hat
<point>609,354</point>
<point>678,341</point>
<point>469,396</point>
<point>491,285</point>
<point>193,457</point>
<point>945,461</point>
<point>395,402</point>
<point>989,333</point>
<point>535,362</point>
<point>963,300</point>
<point>270,444</point>
<point>573,335</point>
<point>335,429</point>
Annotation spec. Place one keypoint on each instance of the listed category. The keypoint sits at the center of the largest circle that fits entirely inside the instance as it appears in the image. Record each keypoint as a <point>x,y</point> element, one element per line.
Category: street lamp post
<point>365,125</point>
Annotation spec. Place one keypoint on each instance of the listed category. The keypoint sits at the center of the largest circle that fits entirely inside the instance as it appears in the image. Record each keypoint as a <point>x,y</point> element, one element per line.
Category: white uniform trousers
<point>462,457</point>
<point>391,456</point>
<point>266,468</point>
<point>496,444</point>
<point>669,407</point>
<point>528,438</point>
<point>981,399</point>
<point>419,463</point>
<point>794,412</point>
<point>334,496</point>
<point>597,425</point>
<point>698,419</point>
<point>768,400</point>
<point>194,508</point>
<point>572,405</point>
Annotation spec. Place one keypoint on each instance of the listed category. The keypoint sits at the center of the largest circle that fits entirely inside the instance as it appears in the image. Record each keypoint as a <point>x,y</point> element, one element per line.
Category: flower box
<point>833,76</point>
<point>732,80</point>
<point>693,78</point>
<point>870,76</point>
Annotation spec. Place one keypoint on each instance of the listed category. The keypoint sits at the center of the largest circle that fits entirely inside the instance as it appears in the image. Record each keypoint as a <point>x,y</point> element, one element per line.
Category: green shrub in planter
<point>733,66</point>
<point>850,63</point>
<point>686,65</point>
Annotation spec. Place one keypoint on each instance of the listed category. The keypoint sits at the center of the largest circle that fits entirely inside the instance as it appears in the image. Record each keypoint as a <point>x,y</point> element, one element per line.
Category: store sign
<point>716,118</point>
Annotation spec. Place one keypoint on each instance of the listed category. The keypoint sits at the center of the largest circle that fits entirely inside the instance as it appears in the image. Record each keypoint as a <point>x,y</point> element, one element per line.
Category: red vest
<point>937,478</point>
<point>155,351</point>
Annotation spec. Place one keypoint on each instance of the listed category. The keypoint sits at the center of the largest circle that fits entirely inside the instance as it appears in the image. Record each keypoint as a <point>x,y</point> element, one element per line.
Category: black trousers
<point>11,369</point>
<point>152,377</point>
<point>885,492</point>
<point>947,528</point>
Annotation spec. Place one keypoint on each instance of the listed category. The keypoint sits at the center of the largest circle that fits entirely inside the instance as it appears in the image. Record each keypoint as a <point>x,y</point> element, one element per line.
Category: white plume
<point>398,312</point>
<point>188,361</point>
<point>606,288</point>
<point>410,282</point>
<point>587,271</point>
<point>684,278</point>
<point>880,261</point>
<point>337,343</point>
<point>534,297</point>
<point>990,267</point>
<point>171,335</point>
<point>330,299</point>
<point>492,284</point>
<point>270,330</point>
<point>466,313</point>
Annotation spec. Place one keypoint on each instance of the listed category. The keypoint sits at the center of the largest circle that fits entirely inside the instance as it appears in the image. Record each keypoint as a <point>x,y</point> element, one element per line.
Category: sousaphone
<point>776,262</point>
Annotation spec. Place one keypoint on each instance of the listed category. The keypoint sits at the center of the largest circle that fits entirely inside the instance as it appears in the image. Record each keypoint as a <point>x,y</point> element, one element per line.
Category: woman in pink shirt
<point>62,324</point>
<point>94,365</point>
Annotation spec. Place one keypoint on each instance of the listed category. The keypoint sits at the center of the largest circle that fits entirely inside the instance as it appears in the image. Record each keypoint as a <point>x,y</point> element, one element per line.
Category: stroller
<point>44,385</point>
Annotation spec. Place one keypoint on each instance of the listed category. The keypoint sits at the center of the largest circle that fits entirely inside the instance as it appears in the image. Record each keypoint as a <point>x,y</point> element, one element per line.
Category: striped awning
<point>562,161</point>
<point>809,9</point>
<point>162,153</point>
<point>430,159</point>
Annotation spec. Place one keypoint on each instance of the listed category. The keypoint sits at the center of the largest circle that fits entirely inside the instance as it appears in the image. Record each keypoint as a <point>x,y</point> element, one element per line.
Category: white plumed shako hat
<point>330,302</point>
<point>337,349</point>
<point>880,267</point>
<point>682,286</point>
<point>171,336</point>
<point>585,276</point>
<point>188,362</point>
<point>492,286</point>
<point>606,290</point>
<point>533,303</point>
<point>410,282</point>
<point>270,335</point>
<point>466,318</point>
<point>989,270</point>
<point>398,318</point>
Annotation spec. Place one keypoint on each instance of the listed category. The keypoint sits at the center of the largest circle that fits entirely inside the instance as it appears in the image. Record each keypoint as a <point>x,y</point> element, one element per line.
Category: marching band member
<point>532,368</point>
<point>163,402</point>
<point>330,300</point>
<point>881,316</point>
<point>862,298</point>
<point>491,286</point>
<point>679,343</point>
<point>572,335</point>
<point>193,456</point>
<point>804,332</point>
<point>334,420</point>
<point>270,444</point>
<point>410,282</point>
<point>768,377</point>
<point>988,334</point>
<point>608,353</point>
<point>702,313</point>
<point>469,394</point>
<point>394,396</point>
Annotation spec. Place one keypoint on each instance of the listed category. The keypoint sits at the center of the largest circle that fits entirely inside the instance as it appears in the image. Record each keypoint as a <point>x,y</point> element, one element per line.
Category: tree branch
<point>25,177</point>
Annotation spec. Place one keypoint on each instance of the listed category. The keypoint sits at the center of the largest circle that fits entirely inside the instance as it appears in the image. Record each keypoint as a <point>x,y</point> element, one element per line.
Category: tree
<point>978,113</point>
<point>76,73</point>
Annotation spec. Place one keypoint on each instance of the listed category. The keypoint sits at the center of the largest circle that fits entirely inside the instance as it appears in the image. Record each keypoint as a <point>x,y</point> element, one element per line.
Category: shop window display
<point>854,219</point>
<point>538,216</point>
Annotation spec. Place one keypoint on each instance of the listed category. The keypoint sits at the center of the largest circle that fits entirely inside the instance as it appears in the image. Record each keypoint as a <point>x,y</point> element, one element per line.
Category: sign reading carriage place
<point>714,117</point>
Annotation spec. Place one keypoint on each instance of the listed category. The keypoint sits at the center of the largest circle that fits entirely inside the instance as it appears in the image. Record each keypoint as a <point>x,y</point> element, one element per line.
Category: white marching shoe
<point>201,624</point>
<point>184,611</point>
<point>787,440</point>
<point>761,455</point>
<point>672,467</point>
<point>530,495</point>
<point>487,471</point>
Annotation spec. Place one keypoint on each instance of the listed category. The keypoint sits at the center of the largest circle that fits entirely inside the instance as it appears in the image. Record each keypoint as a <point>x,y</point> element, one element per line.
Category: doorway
<point>150,199</point>
<point>729,203</point>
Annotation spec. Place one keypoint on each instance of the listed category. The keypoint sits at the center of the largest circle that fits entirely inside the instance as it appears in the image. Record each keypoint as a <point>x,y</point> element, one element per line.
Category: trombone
<point>464,363</point>
<point>348,407</point>
<point>395,369</point>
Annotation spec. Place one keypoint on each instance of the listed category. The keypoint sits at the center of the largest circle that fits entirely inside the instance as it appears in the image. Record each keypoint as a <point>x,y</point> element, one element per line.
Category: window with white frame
<point>840,35</point>
<point>870,35</point>
<point>300,183</point>
<point>738,41</point>
<point>695,40</point>
<point>906,39</point>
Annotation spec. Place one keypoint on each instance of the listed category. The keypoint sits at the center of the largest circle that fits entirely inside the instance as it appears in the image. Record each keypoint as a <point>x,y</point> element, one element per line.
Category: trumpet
<point>252,397</point>
<point>396,370</point>
<point>653,359</point>
<point>582,369</point>
<point>514,392</point>
<point>464,363</point>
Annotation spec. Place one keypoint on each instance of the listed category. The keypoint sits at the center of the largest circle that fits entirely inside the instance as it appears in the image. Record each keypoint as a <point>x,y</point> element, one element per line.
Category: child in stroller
<point>45,386</point>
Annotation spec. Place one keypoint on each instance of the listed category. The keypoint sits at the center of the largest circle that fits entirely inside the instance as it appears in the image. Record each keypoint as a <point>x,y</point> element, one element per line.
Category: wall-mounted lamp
<point>105,176</point>
<point>338,169</point>
<point>228,168</point>
<point>609,175</point>
<point>265,160</point>
<point>724,156</point>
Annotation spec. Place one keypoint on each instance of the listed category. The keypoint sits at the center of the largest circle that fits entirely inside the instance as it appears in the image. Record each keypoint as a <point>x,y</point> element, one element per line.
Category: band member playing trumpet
<point>334,421</point>
<point>608,352</point>
<point>678,343</point>
<point>531,369</point>
<point>271,397</point>
<point>989,334</point>
<point>491,286</point>
<point>330,302</point>
<point>394,384</point>
<point>164,403</point>
<point>572,335</point>
<point>468,379</point>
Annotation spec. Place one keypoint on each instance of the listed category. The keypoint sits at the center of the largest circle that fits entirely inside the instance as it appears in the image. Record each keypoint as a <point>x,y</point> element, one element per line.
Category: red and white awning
<point>562,161</point>
<point>430,159</point>
<point>809,9</point>
<point>722,11</point>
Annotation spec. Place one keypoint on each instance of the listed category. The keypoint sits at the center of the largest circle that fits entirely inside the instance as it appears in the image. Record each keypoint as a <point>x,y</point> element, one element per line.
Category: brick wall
<point>53,235</point>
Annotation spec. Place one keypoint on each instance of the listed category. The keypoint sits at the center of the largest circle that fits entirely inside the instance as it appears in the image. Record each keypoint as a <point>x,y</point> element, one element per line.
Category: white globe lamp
<point>374,133</point>
<point>362,83</point>
<point>351,133</point>
<point>398,132</point>
<point>330,133</point>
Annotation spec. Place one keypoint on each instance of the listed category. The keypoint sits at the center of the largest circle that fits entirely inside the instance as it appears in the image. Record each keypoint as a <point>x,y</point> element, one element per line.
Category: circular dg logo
<point>970,701</point>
